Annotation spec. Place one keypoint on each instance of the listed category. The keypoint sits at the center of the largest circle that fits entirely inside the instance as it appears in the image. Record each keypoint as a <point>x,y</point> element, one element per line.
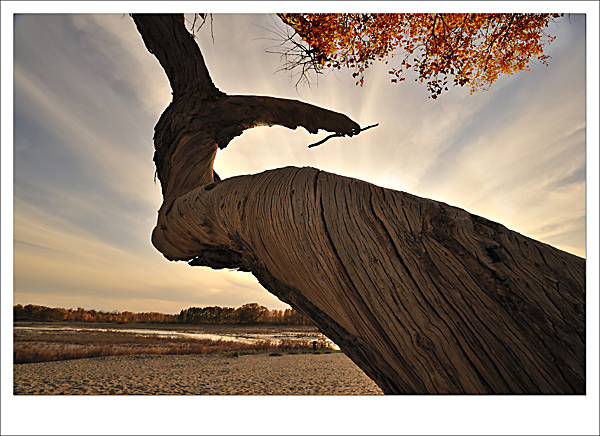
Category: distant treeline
<point>251,313</point>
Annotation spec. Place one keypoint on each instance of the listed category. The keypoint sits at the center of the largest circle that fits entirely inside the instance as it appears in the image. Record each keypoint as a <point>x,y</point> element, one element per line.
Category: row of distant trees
<point>33,312</point>
<point>251,313</point>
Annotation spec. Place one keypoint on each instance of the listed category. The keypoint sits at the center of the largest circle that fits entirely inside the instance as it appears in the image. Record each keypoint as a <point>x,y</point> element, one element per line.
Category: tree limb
<point>201,119</point>
<point>424,297</point>
<point>184,65</point>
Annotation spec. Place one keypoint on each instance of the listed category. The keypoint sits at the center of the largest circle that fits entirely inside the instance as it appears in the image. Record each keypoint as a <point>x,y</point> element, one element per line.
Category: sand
<point>261,374</point>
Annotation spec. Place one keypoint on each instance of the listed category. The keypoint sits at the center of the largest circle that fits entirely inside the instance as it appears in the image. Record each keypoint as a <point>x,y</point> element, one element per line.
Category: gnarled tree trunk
<point>423,296</point>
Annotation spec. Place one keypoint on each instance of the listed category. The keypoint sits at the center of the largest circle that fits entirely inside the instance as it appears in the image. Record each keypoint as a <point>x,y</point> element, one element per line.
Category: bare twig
<point>338,135</point>
<point>196,27</point>
<point>297,57</point>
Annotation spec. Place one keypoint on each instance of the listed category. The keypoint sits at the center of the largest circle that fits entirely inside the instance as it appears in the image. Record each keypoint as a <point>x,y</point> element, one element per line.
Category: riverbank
<point>259,374</point>
<point>42,342</point>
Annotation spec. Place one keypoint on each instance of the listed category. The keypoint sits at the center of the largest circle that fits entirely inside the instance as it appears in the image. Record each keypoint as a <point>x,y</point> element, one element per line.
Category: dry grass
<point>45,346</point>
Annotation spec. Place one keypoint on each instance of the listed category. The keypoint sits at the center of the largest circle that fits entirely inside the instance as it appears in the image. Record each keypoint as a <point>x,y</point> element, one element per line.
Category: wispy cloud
<point>85,200</point>
<point>56,258</point>
<point>87,97</point>
<point>82,130</point>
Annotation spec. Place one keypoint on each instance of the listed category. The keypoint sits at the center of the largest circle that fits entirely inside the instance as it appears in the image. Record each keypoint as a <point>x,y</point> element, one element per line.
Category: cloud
<point>56,259</point>
<point>87,97</point>
<point>85,202</point>
<point>113,41</point>
<point>82,129</point>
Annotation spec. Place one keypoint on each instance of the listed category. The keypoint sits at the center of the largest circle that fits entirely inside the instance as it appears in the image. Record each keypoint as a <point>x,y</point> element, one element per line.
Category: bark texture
<point>426,298</point>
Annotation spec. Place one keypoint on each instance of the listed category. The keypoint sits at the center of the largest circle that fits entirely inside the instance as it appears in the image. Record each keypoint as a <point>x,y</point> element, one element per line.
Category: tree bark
<point>425,297</point>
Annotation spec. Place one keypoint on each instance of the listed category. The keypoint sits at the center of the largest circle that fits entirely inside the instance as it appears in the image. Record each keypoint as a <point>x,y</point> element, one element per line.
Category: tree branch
<point>337,135</point>
<point>167,38</point>
<point>270,111</point>
<point>424,297</point>
<point>201,119</point>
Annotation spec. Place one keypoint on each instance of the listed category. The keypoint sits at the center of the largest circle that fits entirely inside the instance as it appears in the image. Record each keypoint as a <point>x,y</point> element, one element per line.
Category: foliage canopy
<point>471,49</point>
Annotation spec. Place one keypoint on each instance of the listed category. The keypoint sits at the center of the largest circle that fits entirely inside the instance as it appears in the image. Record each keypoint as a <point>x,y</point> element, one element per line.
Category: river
<point>242,334</point>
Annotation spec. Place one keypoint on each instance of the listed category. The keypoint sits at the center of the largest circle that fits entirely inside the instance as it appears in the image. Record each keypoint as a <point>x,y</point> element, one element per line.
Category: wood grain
<point>425,297</point>
<point>443,300</point>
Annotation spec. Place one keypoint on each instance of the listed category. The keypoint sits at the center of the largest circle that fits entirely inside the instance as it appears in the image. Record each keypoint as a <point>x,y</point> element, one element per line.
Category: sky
<point>87,95</point>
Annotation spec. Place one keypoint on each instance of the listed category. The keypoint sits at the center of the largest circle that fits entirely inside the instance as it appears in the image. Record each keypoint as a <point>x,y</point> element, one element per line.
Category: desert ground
<point>257,374</point>
<point>141,371</point>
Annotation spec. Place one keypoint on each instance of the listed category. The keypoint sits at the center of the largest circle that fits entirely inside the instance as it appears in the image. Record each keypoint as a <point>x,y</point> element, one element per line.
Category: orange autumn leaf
<point>470,49</point>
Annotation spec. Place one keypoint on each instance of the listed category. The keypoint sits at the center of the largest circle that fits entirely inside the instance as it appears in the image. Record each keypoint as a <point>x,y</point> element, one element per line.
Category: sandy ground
<point>262,374</point>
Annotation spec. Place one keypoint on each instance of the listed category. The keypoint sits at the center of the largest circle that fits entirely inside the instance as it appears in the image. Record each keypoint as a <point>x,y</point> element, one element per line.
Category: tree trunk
<point>424,297</point>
